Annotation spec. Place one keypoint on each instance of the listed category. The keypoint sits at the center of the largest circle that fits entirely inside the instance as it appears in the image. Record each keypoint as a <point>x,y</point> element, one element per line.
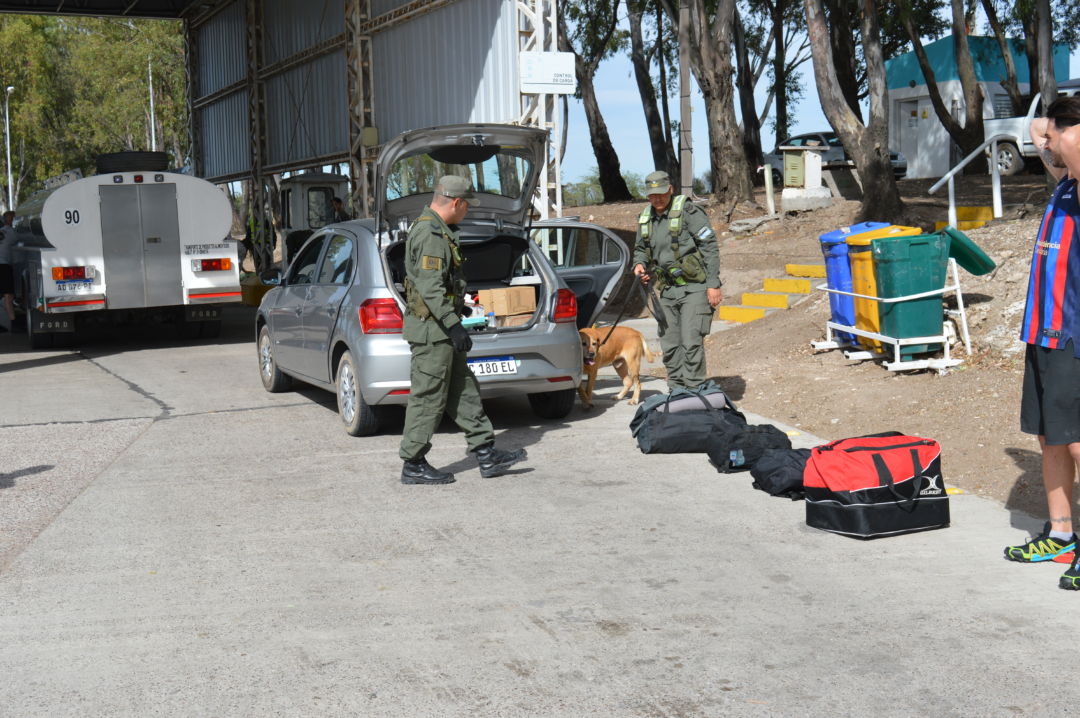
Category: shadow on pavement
<point>8,480</point>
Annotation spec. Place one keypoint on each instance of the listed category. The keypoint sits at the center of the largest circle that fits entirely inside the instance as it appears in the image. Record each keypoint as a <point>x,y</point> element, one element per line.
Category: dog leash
<point>661,318</point>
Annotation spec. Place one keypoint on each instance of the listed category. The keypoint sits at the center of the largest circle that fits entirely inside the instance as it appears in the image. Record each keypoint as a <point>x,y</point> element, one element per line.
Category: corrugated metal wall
<point>292,26</point>
<point>456,64</point>
<point>307,111</point>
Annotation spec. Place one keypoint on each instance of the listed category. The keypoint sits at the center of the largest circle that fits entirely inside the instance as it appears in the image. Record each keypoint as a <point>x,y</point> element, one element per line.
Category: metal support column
<point>537,32</point>
<point>363,141</point>
<point>194,128</point>
<point>262,240</point>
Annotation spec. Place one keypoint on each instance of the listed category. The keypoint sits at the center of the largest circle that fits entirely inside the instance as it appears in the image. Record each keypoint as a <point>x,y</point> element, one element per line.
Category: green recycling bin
<point>905,266</point>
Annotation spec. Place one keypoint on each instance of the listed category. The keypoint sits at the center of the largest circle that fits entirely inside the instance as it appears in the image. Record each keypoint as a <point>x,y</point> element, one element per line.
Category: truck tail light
<point>65,273</point>
<point>565,306</point>
<point>222,264</point>
<point>380,316</point>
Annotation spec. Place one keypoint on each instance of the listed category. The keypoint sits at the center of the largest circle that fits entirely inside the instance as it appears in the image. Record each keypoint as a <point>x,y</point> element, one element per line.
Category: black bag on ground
<point>779,472</point>
<point>743,450</point>
<point>660,431</point>
<point>880,485</point>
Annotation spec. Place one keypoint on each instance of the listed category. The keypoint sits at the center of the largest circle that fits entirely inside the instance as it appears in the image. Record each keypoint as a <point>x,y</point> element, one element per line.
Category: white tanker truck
<point>133,241</point>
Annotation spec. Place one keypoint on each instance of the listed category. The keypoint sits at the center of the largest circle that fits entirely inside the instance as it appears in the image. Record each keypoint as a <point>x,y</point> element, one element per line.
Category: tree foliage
<point>82,89</point>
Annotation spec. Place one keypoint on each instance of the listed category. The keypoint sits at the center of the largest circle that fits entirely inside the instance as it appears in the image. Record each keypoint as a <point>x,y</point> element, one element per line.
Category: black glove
<point>460,338</point>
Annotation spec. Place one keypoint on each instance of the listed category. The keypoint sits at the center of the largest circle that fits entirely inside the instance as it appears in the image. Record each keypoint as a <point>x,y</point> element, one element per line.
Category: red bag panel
<point>848,464</point>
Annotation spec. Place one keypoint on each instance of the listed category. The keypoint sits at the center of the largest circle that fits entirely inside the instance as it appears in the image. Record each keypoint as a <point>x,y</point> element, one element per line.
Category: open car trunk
<point>496,268</point>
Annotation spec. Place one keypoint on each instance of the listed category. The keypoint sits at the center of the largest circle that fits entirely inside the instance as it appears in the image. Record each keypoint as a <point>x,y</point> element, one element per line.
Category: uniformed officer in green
<point>441,380</point>
<point>677,248</point>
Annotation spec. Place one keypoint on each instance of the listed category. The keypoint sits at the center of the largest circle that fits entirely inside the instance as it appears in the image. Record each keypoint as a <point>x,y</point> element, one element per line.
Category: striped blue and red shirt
<point>1052,315</point>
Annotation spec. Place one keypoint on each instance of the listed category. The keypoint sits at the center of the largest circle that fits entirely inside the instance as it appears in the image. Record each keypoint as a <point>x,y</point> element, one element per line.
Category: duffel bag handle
<point>907,503</point>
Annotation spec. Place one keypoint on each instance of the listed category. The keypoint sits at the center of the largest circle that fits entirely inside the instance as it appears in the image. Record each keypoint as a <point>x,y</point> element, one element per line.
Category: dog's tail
<point>645,349</point>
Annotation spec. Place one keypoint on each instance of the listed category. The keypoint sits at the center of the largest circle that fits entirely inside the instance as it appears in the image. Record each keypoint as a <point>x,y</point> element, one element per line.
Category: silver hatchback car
<point>335,320</point>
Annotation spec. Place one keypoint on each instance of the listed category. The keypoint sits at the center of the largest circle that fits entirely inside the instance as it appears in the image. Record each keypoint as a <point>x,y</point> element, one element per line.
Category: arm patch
<point>429,262</point>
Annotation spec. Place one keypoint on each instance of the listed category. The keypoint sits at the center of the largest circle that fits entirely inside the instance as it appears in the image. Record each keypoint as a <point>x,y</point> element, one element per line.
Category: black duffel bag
<point>660,431</point>
<point>742,451</point>
<point>779,472</point>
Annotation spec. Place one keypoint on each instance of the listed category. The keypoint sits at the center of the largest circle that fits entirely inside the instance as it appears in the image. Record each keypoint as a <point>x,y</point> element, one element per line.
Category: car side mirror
<point>271,276</point>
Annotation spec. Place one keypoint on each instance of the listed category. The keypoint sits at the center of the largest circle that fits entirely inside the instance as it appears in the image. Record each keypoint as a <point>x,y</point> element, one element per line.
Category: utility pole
<point>153,124</point>
<point>7,145</point>
<point>686,141</point>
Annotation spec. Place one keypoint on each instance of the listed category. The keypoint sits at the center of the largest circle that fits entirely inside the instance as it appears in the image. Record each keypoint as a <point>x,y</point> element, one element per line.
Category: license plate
<point>491,366</point>
<point>74,285</point>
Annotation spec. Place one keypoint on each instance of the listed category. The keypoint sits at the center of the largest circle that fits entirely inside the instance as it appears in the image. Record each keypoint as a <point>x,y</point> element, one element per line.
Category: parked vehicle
<point>834,153</point>
<point>335,321</point>
<point>131,241</point>
<point>1013,152</point>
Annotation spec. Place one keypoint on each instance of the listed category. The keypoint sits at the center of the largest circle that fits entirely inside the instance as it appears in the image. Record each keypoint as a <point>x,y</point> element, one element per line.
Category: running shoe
<point>1043,547</point>
<point>1070,580</point>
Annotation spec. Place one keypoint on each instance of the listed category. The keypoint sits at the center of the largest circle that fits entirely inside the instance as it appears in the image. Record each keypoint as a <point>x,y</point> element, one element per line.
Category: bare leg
<point>1059,470</point>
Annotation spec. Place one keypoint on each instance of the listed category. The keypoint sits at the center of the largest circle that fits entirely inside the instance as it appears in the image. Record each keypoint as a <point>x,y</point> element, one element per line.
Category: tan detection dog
<point>623,350</point>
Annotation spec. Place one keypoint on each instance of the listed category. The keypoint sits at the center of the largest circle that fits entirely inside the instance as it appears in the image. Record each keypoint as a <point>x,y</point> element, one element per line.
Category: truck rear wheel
<point>1009,160</point>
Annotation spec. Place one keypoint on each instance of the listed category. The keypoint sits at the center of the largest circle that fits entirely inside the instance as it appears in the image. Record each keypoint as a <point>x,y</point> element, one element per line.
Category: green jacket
<point>435,280</point>
<point>695,232</point>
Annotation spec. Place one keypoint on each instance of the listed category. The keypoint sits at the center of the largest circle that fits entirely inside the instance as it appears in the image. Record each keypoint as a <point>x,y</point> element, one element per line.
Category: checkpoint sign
<point>549,73</point>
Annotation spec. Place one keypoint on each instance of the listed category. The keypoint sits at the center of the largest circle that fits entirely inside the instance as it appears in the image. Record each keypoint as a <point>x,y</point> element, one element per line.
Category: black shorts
<point>1050,405</point>
<point>7,279</point>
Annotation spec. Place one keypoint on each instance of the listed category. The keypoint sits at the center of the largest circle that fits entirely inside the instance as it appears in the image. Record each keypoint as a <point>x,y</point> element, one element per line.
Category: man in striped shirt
<point>1050,407</point>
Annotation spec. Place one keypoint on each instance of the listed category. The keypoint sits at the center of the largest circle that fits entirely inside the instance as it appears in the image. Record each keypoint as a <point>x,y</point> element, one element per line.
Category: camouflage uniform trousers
<point>689,319</point>
<point>441,382</point>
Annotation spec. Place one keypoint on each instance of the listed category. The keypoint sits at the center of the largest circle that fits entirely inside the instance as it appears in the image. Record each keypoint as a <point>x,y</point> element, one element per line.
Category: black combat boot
<point>420,471</point>
<point>495,462</point>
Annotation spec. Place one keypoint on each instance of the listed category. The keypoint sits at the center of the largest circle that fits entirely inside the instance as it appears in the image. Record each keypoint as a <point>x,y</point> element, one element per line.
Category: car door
<point>590,259</point>
<point>332,280</point>
<point>287,316</point>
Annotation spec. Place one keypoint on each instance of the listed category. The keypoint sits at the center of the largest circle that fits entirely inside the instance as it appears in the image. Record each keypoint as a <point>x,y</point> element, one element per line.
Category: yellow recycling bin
<point>867,316</point>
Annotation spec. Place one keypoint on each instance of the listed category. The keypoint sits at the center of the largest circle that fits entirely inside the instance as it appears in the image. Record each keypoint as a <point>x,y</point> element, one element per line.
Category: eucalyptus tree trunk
<point>868,145</point>
<point>751,130</point>
<point>662,151</point>
<point>1045,42</point>
<point>970,134</point>
<point>1009,82</point>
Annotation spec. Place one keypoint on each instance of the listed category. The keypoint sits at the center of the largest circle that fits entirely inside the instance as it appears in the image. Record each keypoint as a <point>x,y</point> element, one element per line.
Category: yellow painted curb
<point>805,270</point>
<point>787,286</point>
<point>742,315</point>
<point>964,225</point>
<point>757,299</point>
<point>975,213</point>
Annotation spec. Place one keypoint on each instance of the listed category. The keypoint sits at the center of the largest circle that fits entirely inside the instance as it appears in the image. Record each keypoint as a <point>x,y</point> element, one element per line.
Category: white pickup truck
<point>1012,153</point>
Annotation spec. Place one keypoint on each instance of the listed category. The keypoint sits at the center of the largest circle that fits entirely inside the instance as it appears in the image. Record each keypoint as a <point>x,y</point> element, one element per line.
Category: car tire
<point>777,178</point>
<point>553,404</point>
<point>359,417</point>
<point>1009,160</point>
<point>273,379</point>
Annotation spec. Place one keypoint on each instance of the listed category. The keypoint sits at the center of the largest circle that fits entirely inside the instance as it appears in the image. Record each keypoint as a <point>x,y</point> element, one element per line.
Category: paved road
<point>177,542</point>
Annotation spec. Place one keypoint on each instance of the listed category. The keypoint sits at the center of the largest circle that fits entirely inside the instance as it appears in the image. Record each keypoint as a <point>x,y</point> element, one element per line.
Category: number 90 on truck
<point>123,246</point>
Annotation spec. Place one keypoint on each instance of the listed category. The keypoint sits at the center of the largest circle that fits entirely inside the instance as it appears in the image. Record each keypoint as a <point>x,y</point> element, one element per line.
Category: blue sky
<point>620,104</point>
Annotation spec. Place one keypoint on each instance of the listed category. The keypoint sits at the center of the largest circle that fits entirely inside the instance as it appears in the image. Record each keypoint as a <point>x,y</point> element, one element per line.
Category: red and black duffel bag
<point>877,485</point>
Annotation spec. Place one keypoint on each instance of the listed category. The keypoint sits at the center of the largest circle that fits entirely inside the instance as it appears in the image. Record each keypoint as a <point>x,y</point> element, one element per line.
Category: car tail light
<point>565,306</point>
<point>65,273</point>
<point>380,316</point>
<point>223,264</point>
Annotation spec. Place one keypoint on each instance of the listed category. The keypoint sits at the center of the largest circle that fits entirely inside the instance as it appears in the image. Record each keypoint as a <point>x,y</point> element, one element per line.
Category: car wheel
<point>777,177</point>
<point>359,418</point>
<point>1009,161</point>
<point>273,379</point>
<point>553,404</point>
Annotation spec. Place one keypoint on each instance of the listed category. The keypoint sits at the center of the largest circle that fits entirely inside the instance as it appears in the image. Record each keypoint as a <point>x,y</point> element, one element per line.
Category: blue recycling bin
<point>838,273</point>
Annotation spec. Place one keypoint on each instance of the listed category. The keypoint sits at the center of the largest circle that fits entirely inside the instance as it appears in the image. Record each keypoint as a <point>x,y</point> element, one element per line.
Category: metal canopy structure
<point>287,85</point>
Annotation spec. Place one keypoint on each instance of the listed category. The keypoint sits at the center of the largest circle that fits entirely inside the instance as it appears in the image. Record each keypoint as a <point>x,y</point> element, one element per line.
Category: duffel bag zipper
<point>894,446</point>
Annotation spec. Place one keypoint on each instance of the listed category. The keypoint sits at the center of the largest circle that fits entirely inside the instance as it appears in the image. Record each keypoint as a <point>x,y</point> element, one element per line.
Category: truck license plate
<point>75,285</point>
<point>490,366</point>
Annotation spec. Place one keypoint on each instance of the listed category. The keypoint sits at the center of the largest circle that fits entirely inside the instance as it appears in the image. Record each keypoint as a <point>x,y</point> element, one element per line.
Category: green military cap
<point>657,182</point>
<point>456,187</point>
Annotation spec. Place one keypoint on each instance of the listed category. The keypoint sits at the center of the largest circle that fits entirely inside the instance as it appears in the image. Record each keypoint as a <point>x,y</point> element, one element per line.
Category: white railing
<point>994,173</point>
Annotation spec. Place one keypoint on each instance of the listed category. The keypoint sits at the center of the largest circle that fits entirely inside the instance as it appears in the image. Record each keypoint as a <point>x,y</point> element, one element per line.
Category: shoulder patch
<point>429,262</point>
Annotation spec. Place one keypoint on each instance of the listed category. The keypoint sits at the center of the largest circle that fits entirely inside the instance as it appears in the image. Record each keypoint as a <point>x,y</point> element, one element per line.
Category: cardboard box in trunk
<point>508,301</point>
<point>514,320</point>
